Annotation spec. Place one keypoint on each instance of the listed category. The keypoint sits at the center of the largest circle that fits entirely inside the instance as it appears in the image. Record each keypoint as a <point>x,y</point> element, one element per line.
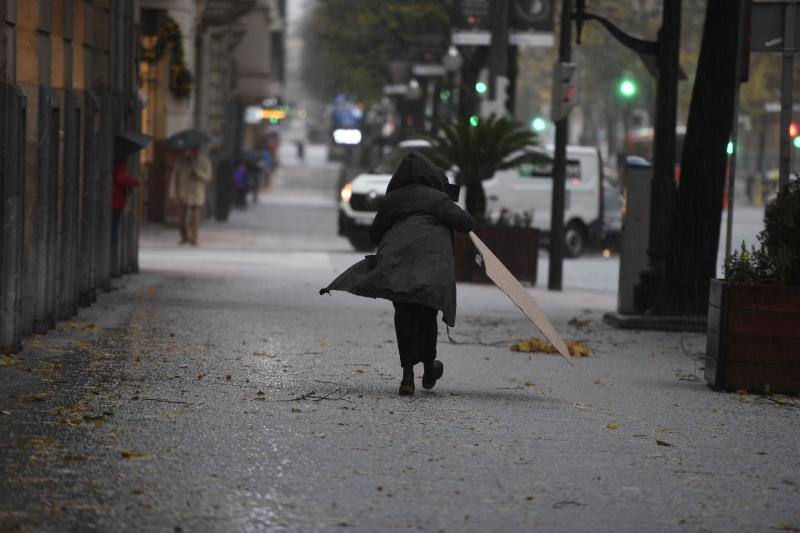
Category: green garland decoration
<point>170,38</point>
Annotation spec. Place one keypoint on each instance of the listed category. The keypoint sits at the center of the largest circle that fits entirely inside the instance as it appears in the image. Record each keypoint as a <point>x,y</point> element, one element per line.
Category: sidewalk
<point>217,391</point>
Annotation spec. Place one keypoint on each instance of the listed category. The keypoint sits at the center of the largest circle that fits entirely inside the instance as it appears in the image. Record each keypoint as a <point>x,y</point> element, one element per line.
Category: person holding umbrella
<point>125,145</point>
<point>191,173</point>
<point>414,266</point>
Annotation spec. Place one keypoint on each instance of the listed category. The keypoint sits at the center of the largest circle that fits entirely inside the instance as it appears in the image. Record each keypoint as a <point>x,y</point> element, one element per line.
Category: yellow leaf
<point>576,348</point>
<point>324,344</point>
<point>612,425</point>
<point>9,362</point>
<point>130,454</point>
<point>665,430</point>
<point>296,410</point>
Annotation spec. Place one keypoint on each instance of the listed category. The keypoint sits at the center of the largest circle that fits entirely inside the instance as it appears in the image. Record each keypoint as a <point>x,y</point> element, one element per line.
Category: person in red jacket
<point>119,197</point>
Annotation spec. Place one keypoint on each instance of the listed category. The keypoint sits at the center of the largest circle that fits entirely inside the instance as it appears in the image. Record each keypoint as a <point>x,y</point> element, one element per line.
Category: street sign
<point>565,90</point>
<point>428,70</point>
<point>767,30</point>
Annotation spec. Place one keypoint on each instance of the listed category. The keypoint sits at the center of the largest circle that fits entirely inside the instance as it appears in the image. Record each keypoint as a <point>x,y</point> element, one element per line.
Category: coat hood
<point>418,169</point>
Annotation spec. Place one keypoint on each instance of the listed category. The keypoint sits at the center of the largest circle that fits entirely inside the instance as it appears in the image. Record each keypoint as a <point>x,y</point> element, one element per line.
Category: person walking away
<point>240,183</point>
<point>187,187</point>
<point>119,196</point>
<point>414,266</point>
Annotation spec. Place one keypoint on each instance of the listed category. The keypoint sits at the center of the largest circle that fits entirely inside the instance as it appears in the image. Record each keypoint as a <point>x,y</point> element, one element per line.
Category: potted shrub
<point>753,338</point>
<point>512,239</point>
<point>478,149</point>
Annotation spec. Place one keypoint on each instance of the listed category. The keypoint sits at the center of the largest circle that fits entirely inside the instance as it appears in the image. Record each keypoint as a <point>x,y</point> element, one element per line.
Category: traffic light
<point>729,148</point>
<point>627,88</point>
<point>481,87</point>
<point>473,120</point>
<point>445,95</point>
<point>794,130</point>
<point>538,124</point>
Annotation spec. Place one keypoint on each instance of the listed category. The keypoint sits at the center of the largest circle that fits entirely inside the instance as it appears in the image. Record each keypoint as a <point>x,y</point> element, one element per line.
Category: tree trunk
<point>703,165</point>
<point>476,199</point>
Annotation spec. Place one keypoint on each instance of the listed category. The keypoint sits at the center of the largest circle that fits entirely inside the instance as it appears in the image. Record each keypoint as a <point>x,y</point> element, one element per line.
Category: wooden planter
<point>517,248</point>
<point>753,338</point>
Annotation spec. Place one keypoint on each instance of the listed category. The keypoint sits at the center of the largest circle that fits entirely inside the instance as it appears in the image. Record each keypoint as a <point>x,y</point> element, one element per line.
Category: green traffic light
<point>538,124</point>
<point>481,87</point>
<point>729,148</point>
<point>797,142</point>
<point>444,95</point>
<point>473,120</point>
<point>628,88</point>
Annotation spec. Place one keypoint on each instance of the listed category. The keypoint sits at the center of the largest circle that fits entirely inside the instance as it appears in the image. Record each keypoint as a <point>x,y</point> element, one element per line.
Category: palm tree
<point>479,149</point>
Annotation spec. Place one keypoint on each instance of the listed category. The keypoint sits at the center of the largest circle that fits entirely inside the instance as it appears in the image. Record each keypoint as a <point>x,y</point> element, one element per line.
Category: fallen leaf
<point>41,397</point>
<point>665,430</point>
<point>576,348</point>
<point>324,344</point>
<point>612,425</point>
<point>529,383</point>
<point>743,392</point>
<point>296,410</point>
<point>76,458</point>
<point>41,443</point>
<point>787,527</point>
<point>663,443</point>
<point>7,351</point>
<point>9,362</point>
<point>228,377</point>
<point>130,454</point>
<point>5,412</point>
<point>260,393</point>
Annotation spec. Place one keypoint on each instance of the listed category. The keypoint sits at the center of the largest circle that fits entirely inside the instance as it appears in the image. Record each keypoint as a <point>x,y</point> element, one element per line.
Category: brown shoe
<point>406,389</point>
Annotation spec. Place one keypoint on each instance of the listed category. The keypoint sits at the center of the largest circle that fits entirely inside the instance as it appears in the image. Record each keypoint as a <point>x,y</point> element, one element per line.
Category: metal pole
<point>786,93</point>
<point>556,266</point>
<point>735,128</point>
<point>664,191</point>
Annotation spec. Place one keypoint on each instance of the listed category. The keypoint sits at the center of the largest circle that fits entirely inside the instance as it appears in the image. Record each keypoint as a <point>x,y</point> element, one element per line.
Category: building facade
<point>233,50</point>
<point>67,85</point>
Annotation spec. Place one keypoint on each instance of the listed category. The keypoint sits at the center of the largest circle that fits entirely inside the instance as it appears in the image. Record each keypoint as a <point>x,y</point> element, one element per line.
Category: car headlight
<point>346,193</point>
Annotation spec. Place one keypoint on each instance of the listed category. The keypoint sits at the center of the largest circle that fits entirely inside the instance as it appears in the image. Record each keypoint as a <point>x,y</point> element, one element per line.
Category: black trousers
<point>415,325</point>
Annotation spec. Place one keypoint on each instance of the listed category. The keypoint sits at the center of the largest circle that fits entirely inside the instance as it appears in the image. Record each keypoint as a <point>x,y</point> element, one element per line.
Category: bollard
<point>67,286</point>
<point>12,189</point>
<point>86,257</point>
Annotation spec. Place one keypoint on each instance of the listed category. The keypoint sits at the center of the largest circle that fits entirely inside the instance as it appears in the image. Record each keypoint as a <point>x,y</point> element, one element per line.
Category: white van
<point>529,187</point>
<point>525,189</point>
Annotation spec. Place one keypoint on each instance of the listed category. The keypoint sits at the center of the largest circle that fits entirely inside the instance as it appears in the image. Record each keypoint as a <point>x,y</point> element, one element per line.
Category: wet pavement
<point>217,391</point>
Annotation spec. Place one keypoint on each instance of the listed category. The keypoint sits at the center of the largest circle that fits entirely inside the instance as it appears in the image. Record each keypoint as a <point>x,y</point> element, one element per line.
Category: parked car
<point>527,188</point>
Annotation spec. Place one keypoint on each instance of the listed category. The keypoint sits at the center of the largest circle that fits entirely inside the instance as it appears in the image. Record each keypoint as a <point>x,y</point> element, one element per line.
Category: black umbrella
<point>187,139</point>
<point>128,143</point>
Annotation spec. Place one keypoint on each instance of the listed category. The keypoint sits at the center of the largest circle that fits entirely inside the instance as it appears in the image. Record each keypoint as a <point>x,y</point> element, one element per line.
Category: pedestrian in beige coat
<point>187,187</point>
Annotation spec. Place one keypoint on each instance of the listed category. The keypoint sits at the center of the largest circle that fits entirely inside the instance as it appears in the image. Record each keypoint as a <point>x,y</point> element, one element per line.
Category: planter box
<point>753,338</point>
<point>517,248</point>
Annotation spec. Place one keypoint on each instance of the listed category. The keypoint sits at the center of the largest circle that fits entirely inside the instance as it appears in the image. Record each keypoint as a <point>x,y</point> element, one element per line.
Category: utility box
<point>637,176</point>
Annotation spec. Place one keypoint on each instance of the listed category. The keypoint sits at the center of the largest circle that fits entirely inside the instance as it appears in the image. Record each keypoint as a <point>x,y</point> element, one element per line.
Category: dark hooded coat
<point>413,230</point>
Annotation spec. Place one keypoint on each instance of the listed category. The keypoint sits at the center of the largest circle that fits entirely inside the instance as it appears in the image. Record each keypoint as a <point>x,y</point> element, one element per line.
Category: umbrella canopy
<point>128,143</point>
<point>506,282</point>
<point>188,139</point>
